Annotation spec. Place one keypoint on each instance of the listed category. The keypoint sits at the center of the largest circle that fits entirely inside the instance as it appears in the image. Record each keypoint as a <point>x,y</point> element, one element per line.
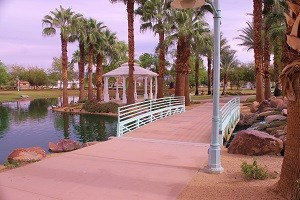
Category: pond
<point>33,123</point>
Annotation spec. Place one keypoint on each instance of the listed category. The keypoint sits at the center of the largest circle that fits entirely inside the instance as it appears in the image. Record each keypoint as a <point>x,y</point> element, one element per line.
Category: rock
<point>2,167</point>
<point>267,113</point>
<point>282,106</point>
<point>64,145</point>
<point>255,143</point>
<point>272,118</point>
<point>274,130</point>
<point>26,155</point>
<point>247,119</point>
<point>264,106</point>
<point>277,124</point>
<point>275,101</point>
<point>87,144</point>
<point>254,107</point>
<point>279,133</point>
<point>284,112</point>
<point>260,126</point>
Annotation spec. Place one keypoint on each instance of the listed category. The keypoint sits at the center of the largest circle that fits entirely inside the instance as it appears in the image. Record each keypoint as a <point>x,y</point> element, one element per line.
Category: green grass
<point>6,96</point>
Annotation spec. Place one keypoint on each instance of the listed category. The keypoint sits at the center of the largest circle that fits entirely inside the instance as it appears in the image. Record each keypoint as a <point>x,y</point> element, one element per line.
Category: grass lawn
<point>6,96</point>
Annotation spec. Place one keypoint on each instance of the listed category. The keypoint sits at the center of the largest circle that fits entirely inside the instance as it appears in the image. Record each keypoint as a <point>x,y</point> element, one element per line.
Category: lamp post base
<point>214,160</point>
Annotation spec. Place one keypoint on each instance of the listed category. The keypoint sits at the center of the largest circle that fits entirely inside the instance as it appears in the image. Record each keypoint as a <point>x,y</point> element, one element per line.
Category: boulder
<point>274,130</point>
<point>247,119</point>
<point>267,113</point>
<point>277,124</point>
<point>264,106</point>
<point>260,126</point>
<point>254,107</point>
<point>64,145</point>
<point>275,101</point>
<point>281,106</point>
<point>284,112</point>
<point>255,143</point>
<point>26,155</point>
<point>272,118</point>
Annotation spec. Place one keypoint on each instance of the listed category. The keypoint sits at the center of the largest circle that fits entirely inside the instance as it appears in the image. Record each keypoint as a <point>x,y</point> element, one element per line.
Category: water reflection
<point>33,123</point>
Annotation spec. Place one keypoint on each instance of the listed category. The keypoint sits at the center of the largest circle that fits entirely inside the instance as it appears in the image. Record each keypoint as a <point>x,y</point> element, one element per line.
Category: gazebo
<point>138,72</point>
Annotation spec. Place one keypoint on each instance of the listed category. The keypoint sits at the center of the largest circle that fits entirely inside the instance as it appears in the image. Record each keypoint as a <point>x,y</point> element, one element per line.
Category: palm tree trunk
<point>90,72</point>
<point>197,62</point>
<point>277,66</point>
<point>257,26</point>
<point>209,75</point>
<point>187,72</point>
<point>224,83</point>
<point>130,12</point>
<point>81,70</point>
<point>267,62</point>
<point>99,72</point>
<point>162,61</point>
<point>181,61</point>
<point>289,183</point>
<point>64,49</point>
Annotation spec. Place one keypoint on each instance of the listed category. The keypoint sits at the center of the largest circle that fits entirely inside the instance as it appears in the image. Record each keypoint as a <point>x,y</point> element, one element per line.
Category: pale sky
<point>21,40</point>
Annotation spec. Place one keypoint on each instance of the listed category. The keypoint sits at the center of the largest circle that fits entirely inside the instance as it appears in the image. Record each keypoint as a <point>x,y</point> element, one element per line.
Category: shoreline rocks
<point>64,145</point>
<point>26,155</point>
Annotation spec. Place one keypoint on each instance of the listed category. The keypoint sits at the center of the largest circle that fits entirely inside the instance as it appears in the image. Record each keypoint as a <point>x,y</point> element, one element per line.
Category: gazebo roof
<point>123,71</point>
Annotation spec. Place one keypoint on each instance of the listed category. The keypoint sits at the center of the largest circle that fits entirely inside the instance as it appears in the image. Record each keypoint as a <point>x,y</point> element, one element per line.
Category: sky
<point>22,42</point>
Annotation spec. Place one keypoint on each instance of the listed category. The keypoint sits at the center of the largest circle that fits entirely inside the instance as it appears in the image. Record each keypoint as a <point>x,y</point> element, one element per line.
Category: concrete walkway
<point>153,162</point>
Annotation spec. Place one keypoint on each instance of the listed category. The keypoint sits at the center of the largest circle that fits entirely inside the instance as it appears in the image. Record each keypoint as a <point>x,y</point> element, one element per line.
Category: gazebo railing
<point>229,117</point>
<point>133,116</point>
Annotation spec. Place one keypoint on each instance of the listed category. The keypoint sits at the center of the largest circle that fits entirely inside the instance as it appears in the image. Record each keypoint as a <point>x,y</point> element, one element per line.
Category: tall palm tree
<point>155,15</point>
<point>92,37</point>
<point>104,49</point>
<point>62,19</point>
<point>130,15</point>
<point>258,54</point>
<point>228,61</point>
<point>288,184</point>
<point>247,36</point>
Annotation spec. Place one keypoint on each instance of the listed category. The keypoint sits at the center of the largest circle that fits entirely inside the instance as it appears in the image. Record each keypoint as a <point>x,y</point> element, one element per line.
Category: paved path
<point>153,162</point>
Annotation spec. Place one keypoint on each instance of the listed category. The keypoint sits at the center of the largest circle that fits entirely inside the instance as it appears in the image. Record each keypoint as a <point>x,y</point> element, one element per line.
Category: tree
<point>4,76</point>
<point>94,35</point>
<point>155,16</point>
<point>104,50</point>
<point>228,61</point>
<point>149,61</point>
<point>288,184</point>
<point>130,15</point>
<point>258,54</point>
<point>61,19</point>
<point>36,77</point>
<point>247,36</point>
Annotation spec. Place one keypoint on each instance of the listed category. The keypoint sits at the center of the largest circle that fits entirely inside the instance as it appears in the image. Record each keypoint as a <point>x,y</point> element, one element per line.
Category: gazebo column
<point>156,88</point>
<point>135,92</point>
<point>106,94</point>
<point>151,93</point>
<point>145,89</point>
<point>117,90</point>
<point>124,99</point>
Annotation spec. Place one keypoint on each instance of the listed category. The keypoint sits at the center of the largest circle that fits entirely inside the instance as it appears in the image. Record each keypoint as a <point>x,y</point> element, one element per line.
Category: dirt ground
<point>232,184</point>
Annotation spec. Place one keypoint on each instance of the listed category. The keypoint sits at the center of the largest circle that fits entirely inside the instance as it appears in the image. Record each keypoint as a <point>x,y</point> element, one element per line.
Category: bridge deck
<point>153,162</point>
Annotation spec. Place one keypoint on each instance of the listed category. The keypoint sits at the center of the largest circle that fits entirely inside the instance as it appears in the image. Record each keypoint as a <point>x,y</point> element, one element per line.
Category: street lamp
<point>214,158</point>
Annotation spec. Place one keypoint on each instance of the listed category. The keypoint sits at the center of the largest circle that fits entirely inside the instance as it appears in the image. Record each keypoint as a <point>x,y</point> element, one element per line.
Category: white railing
<point>133,116</point>
<point>229,117</point>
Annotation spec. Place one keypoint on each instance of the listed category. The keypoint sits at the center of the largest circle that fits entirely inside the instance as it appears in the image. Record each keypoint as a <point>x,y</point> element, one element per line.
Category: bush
<point>253,171</point>
<point>95,107</point>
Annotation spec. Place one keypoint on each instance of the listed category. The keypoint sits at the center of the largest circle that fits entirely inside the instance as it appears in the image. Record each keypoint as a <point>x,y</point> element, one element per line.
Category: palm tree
<point>92,37</point>
<point>130,15</point>
<point>228,61</point>
<point>155,15</point>
<point>288,184</point>
<point>258,54</point>
<point>247,36</point>
<point>62,19</point>
<point>104,48</point>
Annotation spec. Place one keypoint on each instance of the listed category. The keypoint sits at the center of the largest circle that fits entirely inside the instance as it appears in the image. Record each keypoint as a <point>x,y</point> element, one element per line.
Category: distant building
<point>23,85</point>
<point>71,84</point>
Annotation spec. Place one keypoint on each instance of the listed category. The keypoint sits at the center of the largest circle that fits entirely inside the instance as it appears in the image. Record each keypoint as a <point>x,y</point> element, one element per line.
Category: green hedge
<point>95,107</point>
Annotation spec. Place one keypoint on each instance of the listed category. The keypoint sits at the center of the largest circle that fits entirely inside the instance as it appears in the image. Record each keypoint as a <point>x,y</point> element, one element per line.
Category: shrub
<point>95,107</point>
<point>253,171</point>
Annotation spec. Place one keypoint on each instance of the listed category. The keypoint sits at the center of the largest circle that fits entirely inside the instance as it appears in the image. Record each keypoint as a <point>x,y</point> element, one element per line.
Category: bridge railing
<point>229,117</point>
<point>133,116</point>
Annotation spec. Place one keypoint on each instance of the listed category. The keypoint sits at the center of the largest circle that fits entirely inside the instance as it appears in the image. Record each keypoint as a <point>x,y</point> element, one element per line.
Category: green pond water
<point>33,123</point>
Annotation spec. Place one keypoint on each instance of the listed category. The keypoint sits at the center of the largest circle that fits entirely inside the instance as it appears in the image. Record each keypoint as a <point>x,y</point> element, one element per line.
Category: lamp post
<point>214,158</point>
